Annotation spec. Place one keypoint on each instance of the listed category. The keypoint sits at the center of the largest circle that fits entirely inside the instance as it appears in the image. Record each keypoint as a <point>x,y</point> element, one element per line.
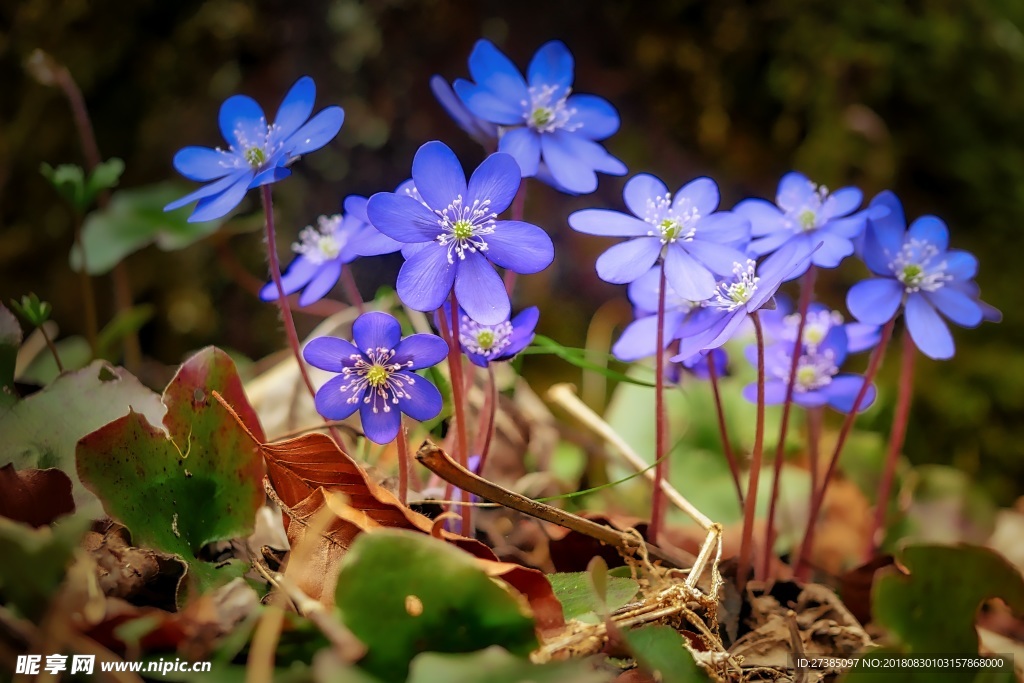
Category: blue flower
<point>736,297</point>
<point>805,213</point>
<point>258,153</point>
<point>375,375</point>
<point>484,132</point>
<point>460,225</point>
<point>781,324</point>
<point>919,271</point>
<point>818,381</point>
<point>695,241</point>
<point>638,340</point>
<point>325,249</point>
<point>697,365</point>
<point>486,344</point>
<point>540,122</point>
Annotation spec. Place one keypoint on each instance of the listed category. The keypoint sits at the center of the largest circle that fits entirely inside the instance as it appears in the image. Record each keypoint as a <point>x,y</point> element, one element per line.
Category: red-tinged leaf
<point>535,586</point>
<point>196,483</point>
<point>35,497</point>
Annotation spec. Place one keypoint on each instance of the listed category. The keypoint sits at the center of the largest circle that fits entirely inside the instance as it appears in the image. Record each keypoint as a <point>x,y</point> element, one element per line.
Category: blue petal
<point>640,191</point>
<point>520,247</point>
<point>375,330</point>
<point>932,230</point>
<point>320,285</point>
<point>332,402</point>
<point>861,336</point>
<point>875,301</point>
<point>643,291</point>
<point>480,291</point>
<point>496,180</point>
<point>402,218</point>
<point>961,265</point>
<point>491,69</point>
<point>791,260</point>
<point>320,130</point>
<point>842,393</point>
<point>208,190</point>
<point>296,106</point>
<point>242,115</point>
<point>956,305</point>
<point>523,326</point>
<point>524,145</point>
<point>769,243</point>
<point>700,193</point>
<point>883,237</point>
<point>219,205</point>
<point>596,118</point>
<point>355,205</point>
<point>424,350</point>
<point>638,340</point>
<point>929,332</point>
<point>894,219</point>
<point>380,426</point>
<point>832,251</point>
<point>478,129</point>
<point>270,175</point>
<point>552,65</point>
<point>794,191</point>
<point>571,172</point>
<point>424,400</point>
<point>841,202</point>
<point>438,176</point>
<point>488,106</point>
<point>426,278</point>
<point>330,353</point>
<point>774,392</point>
<point>765,218</point>
<point>300,271</point>
<point>626,262</point>
<point>203,163</point>
<point>368,241</point>
<point>607,223</point>
<point>718,258</point>
<point>724,227</point>
<point>689,278</point>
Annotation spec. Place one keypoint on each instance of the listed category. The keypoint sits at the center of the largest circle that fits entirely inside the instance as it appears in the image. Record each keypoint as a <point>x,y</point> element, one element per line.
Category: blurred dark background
<point>925,98</point>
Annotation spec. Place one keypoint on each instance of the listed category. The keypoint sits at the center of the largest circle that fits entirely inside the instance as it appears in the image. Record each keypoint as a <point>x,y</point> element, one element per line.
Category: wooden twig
<point>439,462</point>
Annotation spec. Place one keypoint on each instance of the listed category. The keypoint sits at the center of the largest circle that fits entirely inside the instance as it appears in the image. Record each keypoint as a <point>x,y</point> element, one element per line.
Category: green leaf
<point>105,176</point>
<point>194,482</point>
<point>931,609</point>
<point>579,358</point>
<point>403,593</point>
<point>34,311</point>
<point>69,181</point>
<point>42,430</point>
<point>661,650</point>
<point>134,219</point>
<point>495,665</point>
<point>575,592</point>
<point>35,561</point>
<point>10,342</point>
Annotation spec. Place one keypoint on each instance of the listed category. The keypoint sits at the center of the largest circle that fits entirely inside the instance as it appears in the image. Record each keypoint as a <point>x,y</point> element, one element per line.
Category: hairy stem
<point>815,417</point>
<point>750,503</point>
<point>660,421</point>
<point>803,567</point>
<point>723,431</point>
<point>485,431</point>
<point>348,284</point>
<point>450,330</point>
<point>806,288</point>
<point>52,347</point>
<point>896,439</point>
<point>404,463</point>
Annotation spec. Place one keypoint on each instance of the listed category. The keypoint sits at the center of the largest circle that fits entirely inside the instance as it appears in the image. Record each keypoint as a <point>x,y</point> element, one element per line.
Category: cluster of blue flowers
<point>717,267</point>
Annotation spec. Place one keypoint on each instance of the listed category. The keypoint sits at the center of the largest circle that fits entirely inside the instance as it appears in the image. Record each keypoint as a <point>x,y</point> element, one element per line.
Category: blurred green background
<point>925,98</point>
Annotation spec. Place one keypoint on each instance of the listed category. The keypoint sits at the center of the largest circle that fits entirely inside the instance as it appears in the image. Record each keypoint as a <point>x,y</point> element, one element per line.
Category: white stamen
<point>730,296</point>
<point>817,327</point>
<point>254,153</point>
<point>322,243</point>
<point>463,227</point>
<point>813,371</point>
<point>670,224</point>
<point>806,216</point>
<point>484,340</point>
<point>374,380</point>
<point>916,267</point>
<point>545,114</point>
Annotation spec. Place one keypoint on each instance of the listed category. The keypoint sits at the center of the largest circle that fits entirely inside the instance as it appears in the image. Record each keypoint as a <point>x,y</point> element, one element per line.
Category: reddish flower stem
<point>450,331</point>
<point>802,567</point>
<point>806,288</point>
<point>750,504</point>
<point>815,416</point>
<point>404,463</point>
<point>348,284</point>
<point>485,433</point>
<point>723,431</point>
<point>660,419</point>
<point>896,440</point>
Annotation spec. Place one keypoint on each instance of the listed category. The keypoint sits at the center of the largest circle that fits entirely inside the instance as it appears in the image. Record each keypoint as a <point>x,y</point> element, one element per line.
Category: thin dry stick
<point>565,396</point>
<point>441,464</point>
